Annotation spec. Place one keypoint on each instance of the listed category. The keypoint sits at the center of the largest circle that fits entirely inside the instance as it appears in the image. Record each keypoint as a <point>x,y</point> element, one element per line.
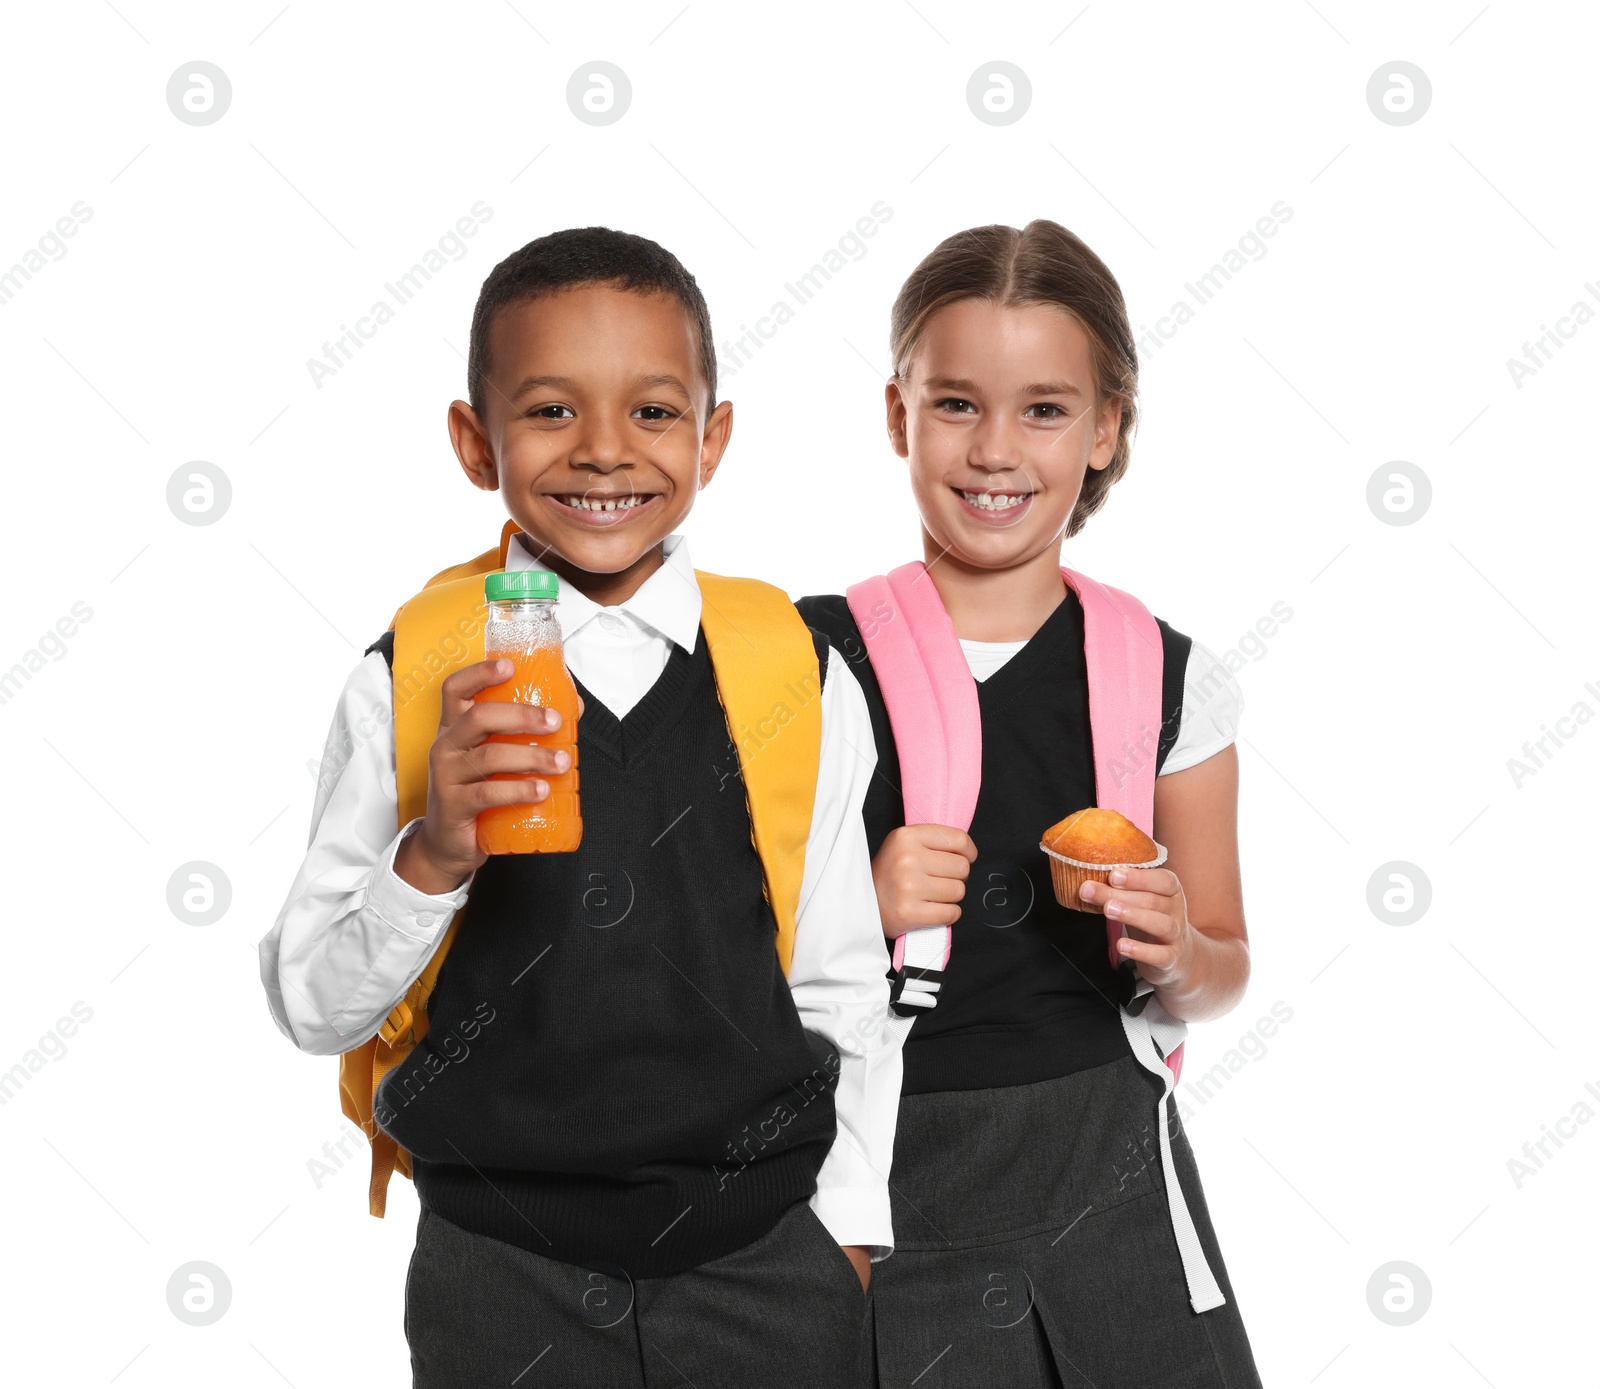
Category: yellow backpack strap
<point>770,687</point>
<point>437,632</point>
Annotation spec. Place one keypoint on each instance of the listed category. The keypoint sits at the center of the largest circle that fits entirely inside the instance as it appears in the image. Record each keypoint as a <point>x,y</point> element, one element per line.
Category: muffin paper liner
<point>1067,875</point>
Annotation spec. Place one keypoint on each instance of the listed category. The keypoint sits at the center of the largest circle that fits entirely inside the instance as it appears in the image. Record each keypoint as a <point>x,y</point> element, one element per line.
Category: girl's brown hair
<point>1043,263</point>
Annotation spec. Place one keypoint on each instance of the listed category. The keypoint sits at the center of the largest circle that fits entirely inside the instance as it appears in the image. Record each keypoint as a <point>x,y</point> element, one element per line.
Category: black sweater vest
<point>615,1073</point>
<point>1030,993</point>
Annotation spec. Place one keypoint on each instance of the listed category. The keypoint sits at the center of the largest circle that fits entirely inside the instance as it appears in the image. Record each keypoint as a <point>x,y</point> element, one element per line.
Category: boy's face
<point>594,427</point>
<point>1000,419</point>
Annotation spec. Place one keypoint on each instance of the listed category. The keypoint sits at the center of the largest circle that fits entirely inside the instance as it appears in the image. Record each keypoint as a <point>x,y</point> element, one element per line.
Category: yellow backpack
<point>768,681</point>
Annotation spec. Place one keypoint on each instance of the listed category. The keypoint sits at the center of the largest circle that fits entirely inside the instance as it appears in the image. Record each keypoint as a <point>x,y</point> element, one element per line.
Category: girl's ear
<point>895,403</point>
<point>1107,430</point>
<point>472,446</point>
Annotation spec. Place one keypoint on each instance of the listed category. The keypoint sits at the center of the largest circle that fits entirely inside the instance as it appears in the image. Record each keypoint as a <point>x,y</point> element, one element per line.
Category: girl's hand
<point>920,872</point>
<point>1150,903</point>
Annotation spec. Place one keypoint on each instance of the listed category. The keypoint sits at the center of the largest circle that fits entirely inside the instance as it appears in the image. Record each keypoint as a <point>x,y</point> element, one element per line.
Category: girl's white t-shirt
<point>1212,700</point>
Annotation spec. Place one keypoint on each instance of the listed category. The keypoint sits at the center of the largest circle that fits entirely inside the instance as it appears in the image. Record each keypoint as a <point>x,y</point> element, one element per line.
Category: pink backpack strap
<point>1122,649</point>
<point>1123,653</point>
<point>929,691</point>
<point>932,703</point>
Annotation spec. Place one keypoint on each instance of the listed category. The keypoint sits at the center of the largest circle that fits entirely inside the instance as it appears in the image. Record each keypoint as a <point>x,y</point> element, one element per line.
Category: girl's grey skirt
<point>1033,1245</point>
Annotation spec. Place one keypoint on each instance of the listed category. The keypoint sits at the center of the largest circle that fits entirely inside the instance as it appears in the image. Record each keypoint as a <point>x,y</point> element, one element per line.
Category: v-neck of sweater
<point>629,738</point>
<point>1042,654</point>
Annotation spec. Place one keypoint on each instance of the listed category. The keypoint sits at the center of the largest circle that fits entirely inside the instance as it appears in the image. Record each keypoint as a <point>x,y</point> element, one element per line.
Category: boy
<point>643,1155</point>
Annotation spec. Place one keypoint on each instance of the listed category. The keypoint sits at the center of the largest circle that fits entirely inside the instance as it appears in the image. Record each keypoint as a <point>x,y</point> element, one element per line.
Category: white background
<point>182,718</point>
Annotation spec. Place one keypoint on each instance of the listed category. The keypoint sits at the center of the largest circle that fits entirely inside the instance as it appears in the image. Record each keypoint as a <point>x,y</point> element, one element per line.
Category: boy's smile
<point>595,509</point>
<point>596,428</point>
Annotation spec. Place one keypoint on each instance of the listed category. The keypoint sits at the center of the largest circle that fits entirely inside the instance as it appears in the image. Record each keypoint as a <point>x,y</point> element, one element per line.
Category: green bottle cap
<point>521,585</point>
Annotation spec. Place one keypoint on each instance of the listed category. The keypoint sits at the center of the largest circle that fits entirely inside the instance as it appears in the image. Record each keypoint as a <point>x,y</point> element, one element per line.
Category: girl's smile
<point>994,508</point>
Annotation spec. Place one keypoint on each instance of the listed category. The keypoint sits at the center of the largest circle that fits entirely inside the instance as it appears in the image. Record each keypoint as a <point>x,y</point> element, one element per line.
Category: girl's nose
<point>994,449</point>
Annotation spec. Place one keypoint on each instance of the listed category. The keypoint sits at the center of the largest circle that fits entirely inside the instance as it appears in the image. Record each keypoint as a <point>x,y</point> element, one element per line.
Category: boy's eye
<point>954,405</point>
<point>1049,411</point>
<point>551,412</point>
<point>652,413</point>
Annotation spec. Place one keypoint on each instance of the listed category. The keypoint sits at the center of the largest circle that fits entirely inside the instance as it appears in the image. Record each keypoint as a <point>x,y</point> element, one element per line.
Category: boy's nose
<point>601,447</point>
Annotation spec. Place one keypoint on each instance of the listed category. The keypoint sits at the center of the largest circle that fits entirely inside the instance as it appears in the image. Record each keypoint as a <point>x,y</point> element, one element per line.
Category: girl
<point>1047,1230</point>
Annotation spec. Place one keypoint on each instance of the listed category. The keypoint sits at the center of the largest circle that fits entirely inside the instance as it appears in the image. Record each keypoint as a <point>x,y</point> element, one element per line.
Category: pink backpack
<point>932,701</point>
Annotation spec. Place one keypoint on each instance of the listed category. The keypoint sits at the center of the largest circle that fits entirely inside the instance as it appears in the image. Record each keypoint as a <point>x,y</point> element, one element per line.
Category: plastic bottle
<point>523,629</point>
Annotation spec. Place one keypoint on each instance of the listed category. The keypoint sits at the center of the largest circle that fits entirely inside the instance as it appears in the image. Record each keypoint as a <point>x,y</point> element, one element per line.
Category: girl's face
<point>999,416</point>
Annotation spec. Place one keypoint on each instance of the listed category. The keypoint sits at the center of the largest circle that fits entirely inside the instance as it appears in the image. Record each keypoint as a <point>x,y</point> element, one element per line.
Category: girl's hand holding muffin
<point>1149,902</point>
<point>1100,861</point>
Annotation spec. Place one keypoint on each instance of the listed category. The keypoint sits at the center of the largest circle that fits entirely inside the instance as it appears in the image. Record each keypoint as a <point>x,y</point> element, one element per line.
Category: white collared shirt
<point>353,936</point>
<point>620,652</point>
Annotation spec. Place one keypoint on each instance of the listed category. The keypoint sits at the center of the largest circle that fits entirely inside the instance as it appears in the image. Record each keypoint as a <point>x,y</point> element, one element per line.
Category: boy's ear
<point>714,440</point>
<point>895,404</point>
<point>471,444</point>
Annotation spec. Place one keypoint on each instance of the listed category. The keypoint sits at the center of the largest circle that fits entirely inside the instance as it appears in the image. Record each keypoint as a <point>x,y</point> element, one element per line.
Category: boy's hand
<point>920,872</point>
<point>858,1255</point>
<point>1150,902</point>
<point>443,851</point>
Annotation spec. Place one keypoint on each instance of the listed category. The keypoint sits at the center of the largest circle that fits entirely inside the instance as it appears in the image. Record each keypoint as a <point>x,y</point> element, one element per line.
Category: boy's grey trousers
<point>787,1310</point>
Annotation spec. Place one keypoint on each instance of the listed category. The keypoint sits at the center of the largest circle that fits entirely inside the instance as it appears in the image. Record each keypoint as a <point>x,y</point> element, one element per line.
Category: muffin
<point>1087,845</point>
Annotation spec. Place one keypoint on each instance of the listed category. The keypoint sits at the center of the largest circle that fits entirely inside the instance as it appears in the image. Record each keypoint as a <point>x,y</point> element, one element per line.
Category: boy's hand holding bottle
<point>442,852</point>
<point>502,730</point>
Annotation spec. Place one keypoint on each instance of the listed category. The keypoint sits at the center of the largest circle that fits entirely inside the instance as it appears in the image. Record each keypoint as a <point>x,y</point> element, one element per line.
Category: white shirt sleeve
<point>1212,703</point>
<point>838,975</point>
<point>353,936</point>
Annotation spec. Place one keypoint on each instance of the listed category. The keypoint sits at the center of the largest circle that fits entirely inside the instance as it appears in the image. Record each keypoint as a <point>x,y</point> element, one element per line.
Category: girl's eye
<point>551,412</point>
<point>652,413</point>
<point>1053,412</point>
<point>954,405</point>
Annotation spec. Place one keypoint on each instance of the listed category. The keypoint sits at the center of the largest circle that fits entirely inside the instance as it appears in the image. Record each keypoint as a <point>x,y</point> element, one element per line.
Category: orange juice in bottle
<point>522,628</point>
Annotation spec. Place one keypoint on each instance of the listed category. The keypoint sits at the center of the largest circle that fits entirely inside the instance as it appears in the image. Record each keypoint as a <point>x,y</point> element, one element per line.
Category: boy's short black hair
<point>580,256</point>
